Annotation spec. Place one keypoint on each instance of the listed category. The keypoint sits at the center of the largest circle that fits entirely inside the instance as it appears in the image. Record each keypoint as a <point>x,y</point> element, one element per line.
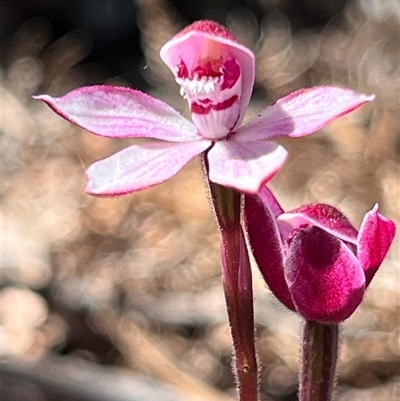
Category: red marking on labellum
<point>231,73</point>
<point>200,109</point>
<point>182,71</point>
<point>229,70</point>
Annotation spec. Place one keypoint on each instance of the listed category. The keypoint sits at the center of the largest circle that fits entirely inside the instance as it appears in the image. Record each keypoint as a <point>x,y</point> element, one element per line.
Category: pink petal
<point>302,113</point>
<point>375,237</point>
<point>285,229</point>
<point>140,166</point>
<point>194,40</point>
<point>269,199</point>
<point>323,216</point>
<point>120,112</point>
<point>267,247</point>
<point>325,279</point>
<point>245,167</point>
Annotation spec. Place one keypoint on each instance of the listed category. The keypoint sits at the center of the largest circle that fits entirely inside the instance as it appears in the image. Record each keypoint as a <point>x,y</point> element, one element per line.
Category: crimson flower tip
<point>316,264</point>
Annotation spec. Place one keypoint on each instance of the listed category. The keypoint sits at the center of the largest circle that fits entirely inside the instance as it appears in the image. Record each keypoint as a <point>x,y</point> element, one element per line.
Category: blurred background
<point>120,298</point>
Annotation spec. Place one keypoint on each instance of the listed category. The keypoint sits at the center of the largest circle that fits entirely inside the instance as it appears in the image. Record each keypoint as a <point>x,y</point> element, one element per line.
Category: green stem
<point>237,283</point>
<point>319,356</point>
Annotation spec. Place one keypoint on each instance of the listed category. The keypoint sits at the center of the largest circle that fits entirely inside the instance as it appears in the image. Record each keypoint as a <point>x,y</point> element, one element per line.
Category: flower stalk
<point>319,354</point>
<point>237,284</point>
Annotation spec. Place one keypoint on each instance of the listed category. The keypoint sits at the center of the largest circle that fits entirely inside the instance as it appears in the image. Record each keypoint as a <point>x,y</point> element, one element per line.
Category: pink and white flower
<point>216,76</point>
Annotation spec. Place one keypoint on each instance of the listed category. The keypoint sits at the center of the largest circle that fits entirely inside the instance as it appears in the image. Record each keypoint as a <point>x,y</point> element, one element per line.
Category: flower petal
<point>269,199</point>
<point>197,39</point>
<point>302,113</point>
<point>325,279</point>
<point>245,167</point>
<point>140,166</point>
<point>120,112</point>
<point>285,229</point>
<point>267,247</point>
<point>375,237</point>
<point>323,216</point>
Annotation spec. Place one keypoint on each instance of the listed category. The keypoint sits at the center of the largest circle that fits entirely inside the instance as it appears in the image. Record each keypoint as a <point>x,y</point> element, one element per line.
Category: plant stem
<point>237,283</point>
<point>319,356</point>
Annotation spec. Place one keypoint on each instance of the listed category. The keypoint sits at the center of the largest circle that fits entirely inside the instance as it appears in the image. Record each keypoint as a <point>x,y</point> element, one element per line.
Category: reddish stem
<point>237,283</point>
<point>319,356</point>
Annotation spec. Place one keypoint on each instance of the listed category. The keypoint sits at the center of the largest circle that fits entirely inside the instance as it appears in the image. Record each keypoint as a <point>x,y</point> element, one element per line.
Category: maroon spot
<point>231,73</point>
<point>200,109</point>
<point>182,70</point>
<point>207,68</point>
<point>226,104</point>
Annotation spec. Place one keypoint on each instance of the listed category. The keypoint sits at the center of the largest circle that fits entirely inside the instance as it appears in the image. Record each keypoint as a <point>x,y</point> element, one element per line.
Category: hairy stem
<point>237,282</point>
<point>319,356</point>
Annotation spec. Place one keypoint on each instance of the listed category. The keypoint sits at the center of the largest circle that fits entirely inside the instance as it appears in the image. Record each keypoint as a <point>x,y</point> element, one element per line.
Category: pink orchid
<point>216,75</point>
<point>312,258</point>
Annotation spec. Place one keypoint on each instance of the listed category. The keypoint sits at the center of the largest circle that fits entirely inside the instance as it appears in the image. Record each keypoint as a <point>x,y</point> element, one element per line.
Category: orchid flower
<point>312,258</point>
<point>216,76</point>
